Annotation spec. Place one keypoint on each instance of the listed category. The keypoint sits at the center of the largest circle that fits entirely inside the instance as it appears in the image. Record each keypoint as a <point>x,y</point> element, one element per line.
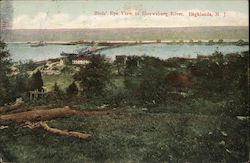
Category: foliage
<point>132,65</point>
<point>94,77</point>
<point>56,88</point>
<point>220,41</point>
<point>210,42</point>
<point>152,87</point>
<point>5,83</point>
<point>36,81</point>
<point>220,74</point>
<point>241,43</point>
<point>177,80</point>
<point>63,80</point>
<point>26,66</point>
<point>174,62</point>
<point>21,84</point>
<point>72,90</point>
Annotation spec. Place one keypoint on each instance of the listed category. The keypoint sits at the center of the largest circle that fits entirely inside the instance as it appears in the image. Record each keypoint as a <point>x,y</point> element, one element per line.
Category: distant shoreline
<point>112,43</point>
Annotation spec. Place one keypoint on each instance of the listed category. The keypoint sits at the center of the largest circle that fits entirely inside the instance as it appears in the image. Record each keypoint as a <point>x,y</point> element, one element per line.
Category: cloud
<point>63,20</point>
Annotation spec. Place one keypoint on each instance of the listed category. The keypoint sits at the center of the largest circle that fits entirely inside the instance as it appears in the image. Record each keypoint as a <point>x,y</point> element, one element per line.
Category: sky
<point>55,14</point>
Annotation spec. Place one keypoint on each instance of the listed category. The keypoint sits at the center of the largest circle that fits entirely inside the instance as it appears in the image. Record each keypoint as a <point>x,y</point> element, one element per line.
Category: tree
<point>152,87</point>
<point>220,41</point>
<point>26,66</point>
<point>57,91</point>
<point>177,80</point>
<point>21,84</point>
<point>210,42</point>
<point>94,77</point>
<point>36,81</point>
<point>241,43</point>
<point>181,41</point>
<point>56,88</point>
<point>132,65</point>
<point>72,89</point>
<point>5,63</point>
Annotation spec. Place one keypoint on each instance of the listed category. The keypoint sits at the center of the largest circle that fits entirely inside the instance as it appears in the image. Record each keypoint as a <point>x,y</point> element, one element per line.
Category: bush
<point>94,77</point>
<point>36,81</point>
<point>72,89</point>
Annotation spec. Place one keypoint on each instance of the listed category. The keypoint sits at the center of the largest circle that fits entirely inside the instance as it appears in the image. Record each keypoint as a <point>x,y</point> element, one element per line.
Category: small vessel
<point>79,52</point>
<point>41,43</point>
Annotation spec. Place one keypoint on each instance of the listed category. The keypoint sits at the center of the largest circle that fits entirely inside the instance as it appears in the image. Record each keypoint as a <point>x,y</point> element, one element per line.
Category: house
<point>51,60</point>
<point>188,59</point>
<point>81,60</point>
<point>39,63</point>
<point>202,57</point>
<point>120,59</point>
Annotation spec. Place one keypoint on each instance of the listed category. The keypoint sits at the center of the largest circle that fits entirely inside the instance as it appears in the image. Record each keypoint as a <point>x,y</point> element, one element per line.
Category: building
<point>202,57</point>
<point>81,60</point>
<point>39,63</point>
<point>120,59</point>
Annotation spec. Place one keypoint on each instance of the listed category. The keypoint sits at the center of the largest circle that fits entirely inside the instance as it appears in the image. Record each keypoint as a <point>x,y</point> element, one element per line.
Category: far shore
<point>110,43</point>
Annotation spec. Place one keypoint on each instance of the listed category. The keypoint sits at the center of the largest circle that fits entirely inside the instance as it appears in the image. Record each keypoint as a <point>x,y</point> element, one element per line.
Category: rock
<point>222,143</point>
<point>242,117</point>
<point>210,133</point>
<point>228,151</point>
<point>3,127</point>
<point>103,106</point>
<point>223,133</point>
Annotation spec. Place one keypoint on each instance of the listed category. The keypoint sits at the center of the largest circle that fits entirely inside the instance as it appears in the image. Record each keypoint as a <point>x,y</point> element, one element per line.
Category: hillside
<point>183,33</point>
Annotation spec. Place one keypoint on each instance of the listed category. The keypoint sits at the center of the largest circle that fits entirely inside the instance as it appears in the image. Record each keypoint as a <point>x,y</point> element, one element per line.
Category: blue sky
<point>80,14</point>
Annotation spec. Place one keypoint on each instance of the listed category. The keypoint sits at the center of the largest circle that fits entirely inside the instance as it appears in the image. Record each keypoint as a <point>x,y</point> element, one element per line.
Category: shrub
<point>72,89</point>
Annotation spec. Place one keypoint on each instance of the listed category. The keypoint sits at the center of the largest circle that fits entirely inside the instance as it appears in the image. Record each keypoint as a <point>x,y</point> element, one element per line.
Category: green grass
<point>131,135</point>
<point>63,80</point>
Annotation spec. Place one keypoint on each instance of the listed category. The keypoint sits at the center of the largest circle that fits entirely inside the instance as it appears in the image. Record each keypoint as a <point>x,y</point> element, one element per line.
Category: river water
<point>25,52</point>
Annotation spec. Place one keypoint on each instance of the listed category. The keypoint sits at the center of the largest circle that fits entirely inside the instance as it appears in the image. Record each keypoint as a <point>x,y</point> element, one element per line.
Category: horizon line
<point>118,28</point>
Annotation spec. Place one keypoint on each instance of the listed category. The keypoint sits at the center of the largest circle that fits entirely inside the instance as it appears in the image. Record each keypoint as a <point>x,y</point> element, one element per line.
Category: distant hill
<point>127,34</point>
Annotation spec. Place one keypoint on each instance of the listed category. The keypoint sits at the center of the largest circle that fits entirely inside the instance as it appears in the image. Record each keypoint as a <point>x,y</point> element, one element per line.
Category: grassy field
<point>130,135</point>
<point>63,80</point>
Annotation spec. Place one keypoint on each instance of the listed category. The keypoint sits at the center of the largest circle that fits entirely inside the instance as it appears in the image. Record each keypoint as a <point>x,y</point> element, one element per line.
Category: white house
<point>81,60</point>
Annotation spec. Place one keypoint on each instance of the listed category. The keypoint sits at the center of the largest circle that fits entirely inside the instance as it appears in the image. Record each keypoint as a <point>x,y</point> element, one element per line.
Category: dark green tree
<point>56,88</point>
<point>36,81</point>
<point>94,77</point>
<point>220,41</point>
<point>72,89</point>
<point>21,84</point>
<point>5,83</point>
<point>153,86</point>
<point>132,65</point>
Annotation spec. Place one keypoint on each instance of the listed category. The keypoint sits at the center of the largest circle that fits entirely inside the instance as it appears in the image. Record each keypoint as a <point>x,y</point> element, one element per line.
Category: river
<point>25,52</point>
